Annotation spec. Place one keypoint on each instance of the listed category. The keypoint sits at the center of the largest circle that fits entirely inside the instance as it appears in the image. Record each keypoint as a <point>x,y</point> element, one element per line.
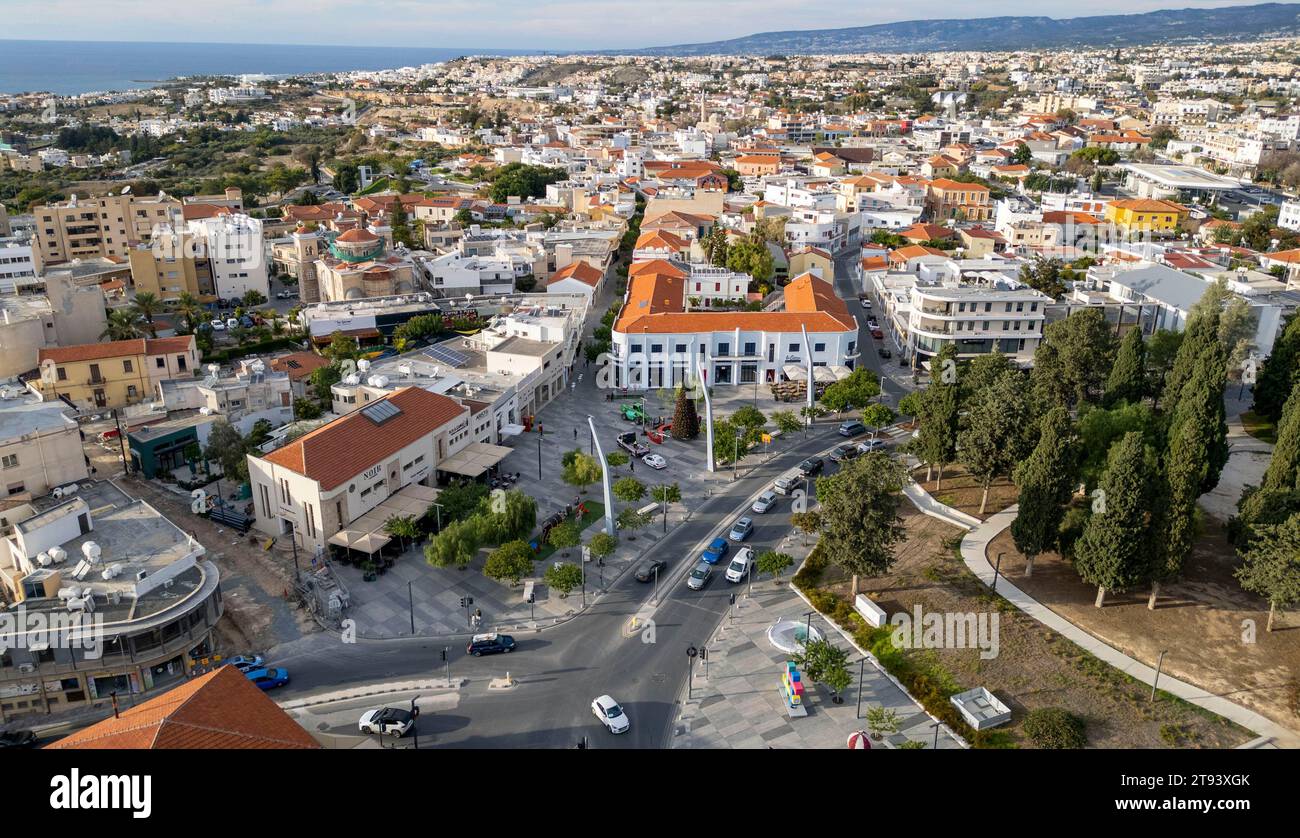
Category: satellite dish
<point>126,190</point>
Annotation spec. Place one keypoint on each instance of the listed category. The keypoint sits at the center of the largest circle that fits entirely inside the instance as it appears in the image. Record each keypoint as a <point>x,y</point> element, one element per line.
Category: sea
<point>72,67</point>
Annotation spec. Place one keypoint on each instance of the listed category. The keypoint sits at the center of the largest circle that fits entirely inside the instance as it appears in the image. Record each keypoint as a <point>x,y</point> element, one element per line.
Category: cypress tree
<point>994,438</point>
<point>1280,373</point>
<point>1114,551</point>
<point>1046,480</point>
<point>1127,381</point>
<point>686,422</point>
<point>1282,468</point>
<point>1202,333</point>
<point>937,440</point>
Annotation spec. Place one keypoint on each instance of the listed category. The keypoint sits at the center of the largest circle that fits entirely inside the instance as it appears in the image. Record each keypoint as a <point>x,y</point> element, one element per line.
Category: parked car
<point>717,548</point>
<point>786,485</point>
<point>847,451</point>
<point>284,295</point>
<point>851,428</point>
<point>388,721</point>
<point>17,739</point>
<point>218,325</point>
<point>247,322</point>
<point>232,323</point>
<point>811,466</point>
<point>740,565</point>
<point>489,644</point>
<point>647,570</point>
<point>866,303</point>
<point>877,334</point>
<point>628,442</point>
<point>244,663</point>
<point>655,461</point>
<point>742,529</point>
<point>610,714</point>
<point>764,502</point>
<point>869,445</point>
<point>699,576</point>
<point>268,679</point>
<point>884,352</point>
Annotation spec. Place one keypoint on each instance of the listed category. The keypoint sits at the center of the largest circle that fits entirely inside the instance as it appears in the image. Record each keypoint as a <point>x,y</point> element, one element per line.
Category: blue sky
<point>504,24</point>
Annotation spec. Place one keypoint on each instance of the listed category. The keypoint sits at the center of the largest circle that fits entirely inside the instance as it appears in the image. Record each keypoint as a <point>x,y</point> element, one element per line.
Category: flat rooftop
<point>1181,177</point>
<point>18,419</point>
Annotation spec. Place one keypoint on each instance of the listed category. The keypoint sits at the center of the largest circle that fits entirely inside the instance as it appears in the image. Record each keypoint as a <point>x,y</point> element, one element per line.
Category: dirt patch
<point>963,492</point>
<point>1200,622</point>
<point>1035,667</point>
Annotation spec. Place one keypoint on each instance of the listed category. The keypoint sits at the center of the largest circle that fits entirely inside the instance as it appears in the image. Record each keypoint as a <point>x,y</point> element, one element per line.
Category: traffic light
<point>444,653</point>
<point>462,602</point>
<point>532,598</point>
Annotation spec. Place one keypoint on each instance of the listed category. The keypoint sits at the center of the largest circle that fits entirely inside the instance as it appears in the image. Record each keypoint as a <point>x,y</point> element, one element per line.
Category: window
<point>10,461</point>
<point>819,347</point>
<point>63,374</point>
<point>724,348</point>
<point>636,347</point>
<point>680,348</point>
<point>1008,307</point>
<point>127,367</point>
<point>16,488</point>
<point>794,347</point>
<point>160,363</point>
<point>131,391</point>
<point>656,348</point>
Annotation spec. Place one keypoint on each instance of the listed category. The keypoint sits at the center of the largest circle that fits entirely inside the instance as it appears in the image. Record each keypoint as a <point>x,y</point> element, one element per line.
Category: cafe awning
<point>364,542</point>
<point>474,459</point>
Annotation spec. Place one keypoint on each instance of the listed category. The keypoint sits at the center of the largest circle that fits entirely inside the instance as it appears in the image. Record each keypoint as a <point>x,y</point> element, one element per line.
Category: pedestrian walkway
<point>734,700</point>
<point>974,552</point>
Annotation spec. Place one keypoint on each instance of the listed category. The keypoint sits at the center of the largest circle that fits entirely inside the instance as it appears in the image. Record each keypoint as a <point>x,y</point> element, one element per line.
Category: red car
<point>877,334</point>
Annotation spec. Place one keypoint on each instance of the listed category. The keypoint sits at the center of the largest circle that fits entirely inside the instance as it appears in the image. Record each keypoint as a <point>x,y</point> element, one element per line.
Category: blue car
<point>268,679</point>
<point>716,550</point>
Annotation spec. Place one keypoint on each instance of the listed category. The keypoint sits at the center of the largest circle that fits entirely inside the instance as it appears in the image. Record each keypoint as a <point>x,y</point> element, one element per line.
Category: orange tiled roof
<point>655,305</point>
<point>336,452</point>
<point>582,271</point>
<point>222,709</point>
<point>1147,205</point>
<point>660,239</point>
<point>115,349</point>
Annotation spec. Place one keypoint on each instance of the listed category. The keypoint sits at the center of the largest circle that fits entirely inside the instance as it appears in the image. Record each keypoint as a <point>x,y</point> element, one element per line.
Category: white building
<point>17,269</point>
<point>237,252</point>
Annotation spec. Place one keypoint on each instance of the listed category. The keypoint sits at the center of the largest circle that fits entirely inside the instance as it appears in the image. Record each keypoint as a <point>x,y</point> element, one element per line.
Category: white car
<point>869,445</point>
<point>786,485</point>
<point>740,565</point>
<point>610,714</point>
<point>232,323</point>
<point>654,461</point>
<point>764,502</point>
<point>388,721</point>
<point>218,325</point>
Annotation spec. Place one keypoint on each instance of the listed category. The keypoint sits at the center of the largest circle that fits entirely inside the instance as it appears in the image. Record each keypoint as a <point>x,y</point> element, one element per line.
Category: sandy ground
<point>1034,667</point>
<point>963,492</point>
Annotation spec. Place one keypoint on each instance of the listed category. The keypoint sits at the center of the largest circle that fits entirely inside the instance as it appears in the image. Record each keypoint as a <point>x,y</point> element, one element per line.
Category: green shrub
<point>1053,728</point>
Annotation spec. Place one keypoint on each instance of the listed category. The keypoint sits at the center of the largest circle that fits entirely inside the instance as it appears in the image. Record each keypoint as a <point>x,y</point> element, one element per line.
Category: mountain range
<point>1013,33</point>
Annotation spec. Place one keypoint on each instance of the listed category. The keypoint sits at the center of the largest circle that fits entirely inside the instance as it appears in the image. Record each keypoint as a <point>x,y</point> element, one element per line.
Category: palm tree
<point>189,307</point>
<point>147,303</point>
<point>277,321</point>
<point>122,324</point>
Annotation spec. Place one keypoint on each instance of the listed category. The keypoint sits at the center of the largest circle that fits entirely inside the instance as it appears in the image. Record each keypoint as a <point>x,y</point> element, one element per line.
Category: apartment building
<point>96,376</point>
<point>91,227</point>
<point>953,199</point>
<point>168,266</point>
<point>17,267</point>
<point>1146,216</point>
<point>65,315</point>
<point>40,448</point>
<point>236,254</point>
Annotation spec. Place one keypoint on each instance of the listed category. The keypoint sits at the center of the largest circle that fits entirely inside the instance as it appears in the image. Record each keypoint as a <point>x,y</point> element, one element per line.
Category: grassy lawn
<point>595,511</point>
<point>1034,667</point>
<point>1259,427</point>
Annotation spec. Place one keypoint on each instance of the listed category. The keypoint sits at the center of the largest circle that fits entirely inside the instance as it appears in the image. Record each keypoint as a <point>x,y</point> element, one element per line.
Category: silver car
<point>699,576</point>
<point>764,502</point>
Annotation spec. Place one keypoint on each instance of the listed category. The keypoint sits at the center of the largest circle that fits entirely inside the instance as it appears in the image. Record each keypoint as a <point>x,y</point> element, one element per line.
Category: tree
<point>1128,377</point>
<point>581,471</point>
<point>1235,323</point>
<point>402,527</point>
<point>1284,465</point>
<point>1114,551</point>
<point>510,562</point>
<point>1023,155</point>
<point>1161,350</point>
<point>1098,429</point>
<point>748,256</point>
<point>1280,372</point>
<point>122,324</point>
<point>306,409</point>
<point>632,520</point>
<point>253,298</point>
<point>825,663</point>
<point>877,415</point>
<point>342,348</point>
<point>454,546</point>
<point>602,545</point>
<point>853,392</point>
<point>347,178</point>
<point>859,512</point>
<point>1044,275</point>
<point>564,536</point>
<point>786,422</point>
<point>615,459</point>
<point>227,446</point>
<point>1074,360</point>
<point>563,577</point>
<point>629,489</point>
<point>665,496</point>
<point>882,721</point>
<point>939,415</point>
<point>774,563</point>
<point>400,224</point>
<point>806,522</point>
<point>1046,481</point>
<point>1271,566</point>
<point>459,501</point>
<point>522,180</point>
<point>148,304</point>
<point>994,439</point>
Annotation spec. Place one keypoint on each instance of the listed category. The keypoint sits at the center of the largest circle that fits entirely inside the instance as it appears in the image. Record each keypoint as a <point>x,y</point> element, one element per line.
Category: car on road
<point>787,484</point>
<point>246,662</point>
<point>388,721</point>
<point>764,502</point>
<point>655,461</point>
<point>218,325</point>
<point>877,334</point>
<point>740,565</point>
<point>851,428</point>
<point>714,553</point>
<point>884,352</point>
<point>811,466</point>
<point>646,571</point>
<point>628,442</point>
<point>872,324</point>
<point>742,529</point>
<point>866,446</point>
<point>699,576</point>
<point>17,739</point>
<point>268,679</point>
<point>847,451</point>
<point>489,644</point>
<point>610,714</point>
<point>866,303</point>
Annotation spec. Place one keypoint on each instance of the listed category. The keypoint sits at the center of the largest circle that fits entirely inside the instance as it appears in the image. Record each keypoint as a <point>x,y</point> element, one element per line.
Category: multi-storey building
<point>107,226</point>
<point>95,376</point>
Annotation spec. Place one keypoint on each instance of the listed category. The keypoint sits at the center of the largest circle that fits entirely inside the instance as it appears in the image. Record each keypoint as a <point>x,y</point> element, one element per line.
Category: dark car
<point>646,572</point>
<point>844,452</point>
<point>877,334</point>
<point>811,466</point>
<point>852,427</point>
<point>17,739</point>
<point>490,644</point>
<point>884,352</point>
